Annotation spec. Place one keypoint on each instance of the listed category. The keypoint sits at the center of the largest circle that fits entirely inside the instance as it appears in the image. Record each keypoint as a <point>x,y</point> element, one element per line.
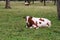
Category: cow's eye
<point>39,22</point>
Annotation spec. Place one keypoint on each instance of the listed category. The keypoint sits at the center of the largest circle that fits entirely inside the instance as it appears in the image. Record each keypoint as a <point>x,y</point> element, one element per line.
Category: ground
<point>12,24</point>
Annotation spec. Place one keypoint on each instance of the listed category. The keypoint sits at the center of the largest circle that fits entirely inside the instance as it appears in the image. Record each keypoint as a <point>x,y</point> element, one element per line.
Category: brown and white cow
<point>33,22</point>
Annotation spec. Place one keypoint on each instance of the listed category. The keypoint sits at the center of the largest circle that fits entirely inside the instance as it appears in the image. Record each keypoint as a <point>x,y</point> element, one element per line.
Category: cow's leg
<point>37,27</point>
<point>28,25</point>
<point>34,26</point>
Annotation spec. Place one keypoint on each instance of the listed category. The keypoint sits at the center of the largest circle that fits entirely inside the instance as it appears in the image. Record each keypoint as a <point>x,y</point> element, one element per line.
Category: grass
<point>12,25</point>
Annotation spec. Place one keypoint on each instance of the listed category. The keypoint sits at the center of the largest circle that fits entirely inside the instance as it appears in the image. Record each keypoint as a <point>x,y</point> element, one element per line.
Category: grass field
<point>12,25</point>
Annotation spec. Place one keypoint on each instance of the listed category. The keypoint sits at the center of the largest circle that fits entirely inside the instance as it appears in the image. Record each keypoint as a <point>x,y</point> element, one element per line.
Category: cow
<point>34,22</point>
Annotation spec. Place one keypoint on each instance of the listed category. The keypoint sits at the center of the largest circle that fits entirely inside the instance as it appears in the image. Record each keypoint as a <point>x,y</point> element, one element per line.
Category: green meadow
<point>12,23</point>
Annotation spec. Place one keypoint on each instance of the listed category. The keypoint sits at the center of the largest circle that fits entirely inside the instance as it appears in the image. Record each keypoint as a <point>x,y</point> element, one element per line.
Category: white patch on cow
<point>34,26</point>
<point>27,17</point>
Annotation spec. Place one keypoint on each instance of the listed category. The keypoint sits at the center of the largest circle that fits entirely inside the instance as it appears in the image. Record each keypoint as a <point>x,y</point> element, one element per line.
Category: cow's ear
<point>30,16</point>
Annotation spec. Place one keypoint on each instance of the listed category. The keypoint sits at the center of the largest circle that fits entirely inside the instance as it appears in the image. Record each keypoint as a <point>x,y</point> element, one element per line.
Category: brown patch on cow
<point>36,24</point>
<point>39,22</point>
<point>41,19</point>
<point>48,24</point>
<point>31,22</point>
